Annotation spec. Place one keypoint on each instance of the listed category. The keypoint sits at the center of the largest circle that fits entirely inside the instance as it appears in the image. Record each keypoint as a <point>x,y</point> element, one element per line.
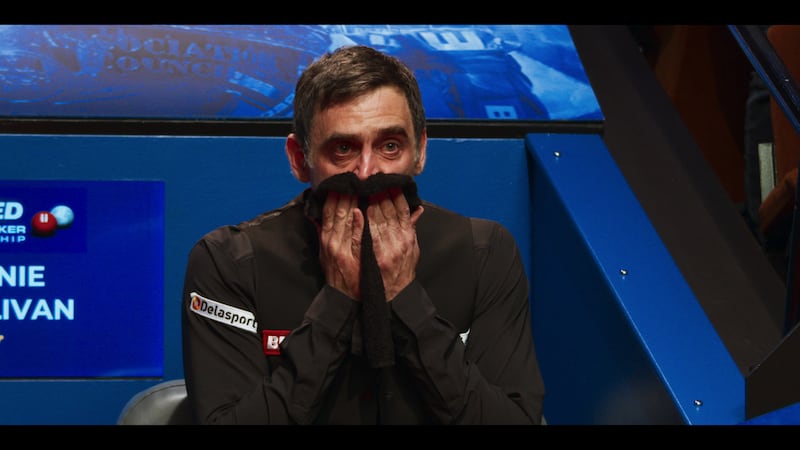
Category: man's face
<point>370,134</point>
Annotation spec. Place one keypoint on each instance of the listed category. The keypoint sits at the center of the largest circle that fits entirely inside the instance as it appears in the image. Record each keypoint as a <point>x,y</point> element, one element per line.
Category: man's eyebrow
<point>397,129</point>
<point>336,137</point>
<point>348,137</point>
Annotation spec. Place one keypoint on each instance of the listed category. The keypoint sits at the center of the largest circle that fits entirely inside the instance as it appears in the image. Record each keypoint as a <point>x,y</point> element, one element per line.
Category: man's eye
<point>343,149</point>
<point>391,147</point>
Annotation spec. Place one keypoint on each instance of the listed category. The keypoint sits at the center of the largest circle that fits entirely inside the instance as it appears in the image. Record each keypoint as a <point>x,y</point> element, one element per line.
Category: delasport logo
<point>42,219</point>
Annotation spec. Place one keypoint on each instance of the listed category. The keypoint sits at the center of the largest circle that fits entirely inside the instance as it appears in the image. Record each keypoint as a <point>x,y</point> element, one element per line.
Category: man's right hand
<point>340,243</point>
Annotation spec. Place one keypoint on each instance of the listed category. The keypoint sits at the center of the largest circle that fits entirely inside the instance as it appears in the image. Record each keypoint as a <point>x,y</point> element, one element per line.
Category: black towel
<point>377,336</point>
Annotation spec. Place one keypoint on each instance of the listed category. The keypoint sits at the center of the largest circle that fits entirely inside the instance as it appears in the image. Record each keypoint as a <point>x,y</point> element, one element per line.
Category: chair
<point>162,404</point>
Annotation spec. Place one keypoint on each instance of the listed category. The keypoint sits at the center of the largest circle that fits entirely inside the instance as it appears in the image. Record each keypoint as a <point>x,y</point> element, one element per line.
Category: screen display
<point>81,278</point>
<point>474,72</point>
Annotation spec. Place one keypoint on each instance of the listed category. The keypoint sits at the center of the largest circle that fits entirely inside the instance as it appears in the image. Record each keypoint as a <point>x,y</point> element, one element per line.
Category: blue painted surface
<point>614,348</point>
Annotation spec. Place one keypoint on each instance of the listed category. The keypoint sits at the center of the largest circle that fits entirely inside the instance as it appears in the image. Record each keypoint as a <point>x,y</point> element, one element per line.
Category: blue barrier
<point>621,337</point>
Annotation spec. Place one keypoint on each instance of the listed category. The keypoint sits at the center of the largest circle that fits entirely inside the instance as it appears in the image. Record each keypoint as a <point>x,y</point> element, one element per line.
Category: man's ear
<point>423,142</point>
<point>297,159</point>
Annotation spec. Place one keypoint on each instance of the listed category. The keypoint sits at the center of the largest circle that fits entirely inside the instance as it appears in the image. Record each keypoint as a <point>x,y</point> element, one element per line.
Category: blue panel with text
<point>81,273</point>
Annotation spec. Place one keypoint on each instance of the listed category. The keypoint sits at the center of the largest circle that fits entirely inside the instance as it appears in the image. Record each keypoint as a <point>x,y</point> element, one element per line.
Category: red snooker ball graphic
<point>44,223</point>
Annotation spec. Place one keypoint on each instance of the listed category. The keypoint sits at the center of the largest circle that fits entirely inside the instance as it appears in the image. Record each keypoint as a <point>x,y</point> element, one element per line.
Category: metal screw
<point>698,403</point>
<point>623,272</point>
<point>556,154</point>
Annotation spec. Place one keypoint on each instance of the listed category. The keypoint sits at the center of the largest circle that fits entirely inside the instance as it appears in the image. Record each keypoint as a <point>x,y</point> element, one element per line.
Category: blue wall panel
<point>633,347</point>
<point>208,182</point>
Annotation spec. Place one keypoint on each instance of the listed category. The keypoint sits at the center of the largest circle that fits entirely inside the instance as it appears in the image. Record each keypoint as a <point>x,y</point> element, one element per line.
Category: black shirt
<point>266,341</point>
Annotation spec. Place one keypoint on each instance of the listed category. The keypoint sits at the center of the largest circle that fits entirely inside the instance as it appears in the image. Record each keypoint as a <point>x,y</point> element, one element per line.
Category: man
<point>356,302</point>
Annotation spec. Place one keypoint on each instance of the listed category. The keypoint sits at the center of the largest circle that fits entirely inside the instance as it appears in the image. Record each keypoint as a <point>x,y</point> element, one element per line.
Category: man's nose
<point>366,165</point>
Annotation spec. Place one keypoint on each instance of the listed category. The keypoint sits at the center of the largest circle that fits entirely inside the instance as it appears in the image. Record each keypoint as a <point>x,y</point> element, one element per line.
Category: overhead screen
<point>486,72</point>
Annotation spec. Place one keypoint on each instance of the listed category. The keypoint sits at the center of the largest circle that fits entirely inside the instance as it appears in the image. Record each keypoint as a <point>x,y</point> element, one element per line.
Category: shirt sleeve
<point>495,377</point>
<point>226,372</point>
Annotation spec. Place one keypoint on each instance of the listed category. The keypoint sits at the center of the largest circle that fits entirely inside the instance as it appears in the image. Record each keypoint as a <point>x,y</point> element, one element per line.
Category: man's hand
<point>394,239</point>
<point>340,243</point>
